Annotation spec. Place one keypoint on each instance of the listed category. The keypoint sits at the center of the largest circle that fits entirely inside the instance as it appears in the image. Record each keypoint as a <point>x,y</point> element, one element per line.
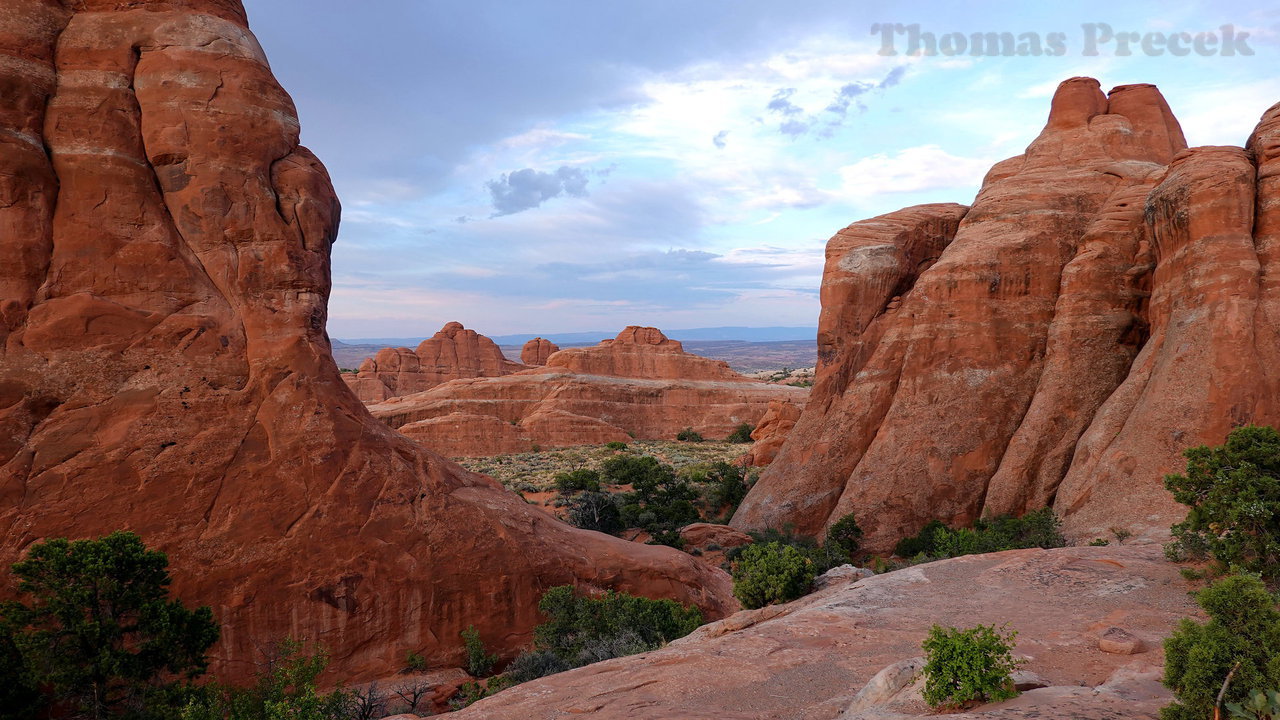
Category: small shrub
<point>1190,574</point>
<point>285,689</point>
<point>615,445</point>
<point>579,626</point>
<point>964,666</point>
<point>1099,542</point>
<point>1121,534</point>
<point>741,434</point>
<point>479,662</point>
<point>1234,494</point>
<point>578,481</point>
<point>1260,705</point>
<point>415,661</point>
<point>923,543</point>
<point>1243,628</point>
<point>533,664</point>
<point>729,485</point>
<point>845,535</point>
<point>771,573</point>
<point>688,435</point>
<point>670,538</point>
<point>1039,528</point>
<point>595,511</point>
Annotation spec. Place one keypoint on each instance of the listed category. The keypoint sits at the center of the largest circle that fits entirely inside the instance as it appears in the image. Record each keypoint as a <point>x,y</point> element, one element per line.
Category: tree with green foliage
<point>19,697</point>
<point>581,629</point>
<point>659,501</point>
<point>729,486</point>
<point>741,434</point>
<point>1038,528</point>
<point>285,689</point>
<point>1233,491</point>
<point>971,665</point>
<point>479,661</point>
<point>580,480</point>
<point>771,573</point>
<point>1243,631</point>
<point>97,626</point>
<point>845,535</point>
<point>689,435</point>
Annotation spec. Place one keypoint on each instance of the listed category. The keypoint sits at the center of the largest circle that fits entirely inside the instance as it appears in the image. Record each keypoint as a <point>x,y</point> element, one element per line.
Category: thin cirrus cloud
<point>795,121</point>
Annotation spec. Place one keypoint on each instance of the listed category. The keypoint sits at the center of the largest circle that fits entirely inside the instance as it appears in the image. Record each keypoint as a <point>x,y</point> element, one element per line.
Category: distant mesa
<point>642,352</point>
<point>639,385</point>
<point>452,353</point>
<point>537,350</point>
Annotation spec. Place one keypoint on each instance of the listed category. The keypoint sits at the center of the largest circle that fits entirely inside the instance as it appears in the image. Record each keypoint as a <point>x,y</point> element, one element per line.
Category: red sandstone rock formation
<point>550,407</point>
<point>809,659</point>
<point>164,273</point>
<point>641,352</point>
<point>1102,306</point>
<point>454,352</point>
<point>537,350</point>
<point>772,432</point>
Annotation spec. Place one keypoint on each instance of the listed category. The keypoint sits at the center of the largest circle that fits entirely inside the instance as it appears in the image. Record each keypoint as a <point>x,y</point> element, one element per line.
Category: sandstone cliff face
<point>1099,308</point>
<point>164,274</point>
<point>553,408</point>
<point>641,352</point>
<point>772,431</point>
<point>454,352</point>
<point>537,350</point>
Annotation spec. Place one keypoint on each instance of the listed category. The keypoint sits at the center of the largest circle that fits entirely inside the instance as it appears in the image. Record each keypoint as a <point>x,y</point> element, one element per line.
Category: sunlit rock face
<point>1104,304</point>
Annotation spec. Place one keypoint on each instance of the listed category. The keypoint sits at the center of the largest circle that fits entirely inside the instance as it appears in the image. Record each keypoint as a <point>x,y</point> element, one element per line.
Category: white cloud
<point>926,167</point>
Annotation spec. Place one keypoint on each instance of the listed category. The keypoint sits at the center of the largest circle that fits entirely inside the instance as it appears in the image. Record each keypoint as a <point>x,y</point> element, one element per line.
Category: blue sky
<point>562,165</point>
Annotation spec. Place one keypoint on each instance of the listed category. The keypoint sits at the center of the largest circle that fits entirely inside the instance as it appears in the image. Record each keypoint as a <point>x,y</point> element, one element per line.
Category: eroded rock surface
<point>164,275</point>
<point>537,350</point>
<point>454,352</point>
<point>641,385</point>
<point>1102,306</point>
<point>548,408</point>
<point>641,352</point>
<point>812,658</point>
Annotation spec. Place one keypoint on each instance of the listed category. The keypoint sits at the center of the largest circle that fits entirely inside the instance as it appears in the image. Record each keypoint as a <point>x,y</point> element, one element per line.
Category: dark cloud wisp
<point>794,121</point>
<point>528,188</point>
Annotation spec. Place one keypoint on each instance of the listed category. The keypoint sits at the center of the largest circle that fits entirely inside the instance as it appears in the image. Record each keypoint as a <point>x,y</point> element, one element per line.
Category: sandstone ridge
<point>454,352</point>
<point>639,385</point>
<point>1104,304</point>
<point>812,658</point>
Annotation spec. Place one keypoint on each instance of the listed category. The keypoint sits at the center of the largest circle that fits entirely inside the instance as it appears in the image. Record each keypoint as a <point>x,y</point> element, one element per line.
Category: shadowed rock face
<point>1101,306</point>
<point>454,352</point>
<point>164,273</point>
